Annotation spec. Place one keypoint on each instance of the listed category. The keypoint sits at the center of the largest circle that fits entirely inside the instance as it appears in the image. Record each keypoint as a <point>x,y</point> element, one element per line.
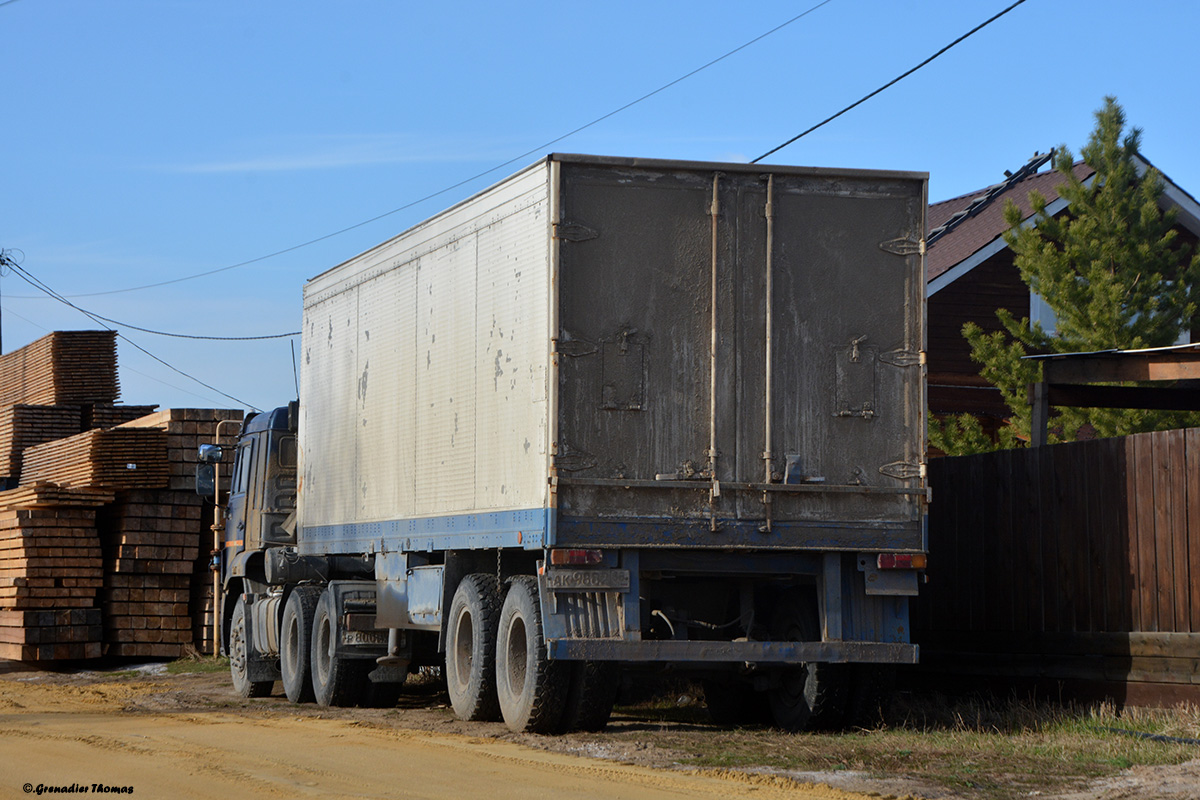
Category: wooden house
<point>971,274</point>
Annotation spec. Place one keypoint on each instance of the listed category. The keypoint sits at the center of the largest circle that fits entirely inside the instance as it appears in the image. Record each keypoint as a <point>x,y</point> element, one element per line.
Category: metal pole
<point>770,318</point>
<point>715,486</point>
<point>769,290</point>
<point>217,529</point>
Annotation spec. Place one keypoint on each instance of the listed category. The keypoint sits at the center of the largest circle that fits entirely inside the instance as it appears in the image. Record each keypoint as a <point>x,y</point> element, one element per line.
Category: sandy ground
<point>189,736</point>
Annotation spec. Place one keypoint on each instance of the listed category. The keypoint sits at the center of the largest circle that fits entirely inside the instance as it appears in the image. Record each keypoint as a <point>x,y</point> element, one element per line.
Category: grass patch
<point>193,664</point>
<point>978,746</point>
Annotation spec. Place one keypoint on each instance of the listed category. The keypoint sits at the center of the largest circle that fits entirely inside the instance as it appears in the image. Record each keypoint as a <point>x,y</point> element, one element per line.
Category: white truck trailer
<point>608,413</point>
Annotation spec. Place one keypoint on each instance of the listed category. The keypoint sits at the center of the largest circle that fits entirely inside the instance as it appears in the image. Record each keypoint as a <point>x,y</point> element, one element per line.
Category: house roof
<point>966,230</point>
<point>982,221</point>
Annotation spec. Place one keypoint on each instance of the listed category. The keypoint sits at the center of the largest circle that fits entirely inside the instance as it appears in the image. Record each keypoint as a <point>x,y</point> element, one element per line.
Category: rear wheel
<point>590,696</point>
<point>294,645</point>
<point>336,680</point>
<point>471,648</point>
<point>531,688</point>
<point>811,695</point>
<point>239,657</point>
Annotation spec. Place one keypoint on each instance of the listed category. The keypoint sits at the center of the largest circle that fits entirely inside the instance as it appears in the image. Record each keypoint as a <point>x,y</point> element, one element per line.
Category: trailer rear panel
<point>839,465</point>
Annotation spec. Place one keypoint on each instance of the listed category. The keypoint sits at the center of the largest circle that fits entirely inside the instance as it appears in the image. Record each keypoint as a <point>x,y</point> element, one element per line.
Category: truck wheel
<point>294,646</point>
<point>812,695</point>
<point>336,680</point>
<point>471,648</point>
<point>531,688</point>
<point>239,657</point>
<point>591,693</point>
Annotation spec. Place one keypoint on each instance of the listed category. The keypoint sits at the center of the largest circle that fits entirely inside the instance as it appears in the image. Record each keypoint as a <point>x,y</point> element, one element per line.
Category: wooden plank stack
<point>172,528</point>
<point>117,458</point>
<point>62,368</point>
<point>151,541</point>
<point>104,546</point>
<point>102,416</point>
<point>50,573</point>
<point>24,426</point>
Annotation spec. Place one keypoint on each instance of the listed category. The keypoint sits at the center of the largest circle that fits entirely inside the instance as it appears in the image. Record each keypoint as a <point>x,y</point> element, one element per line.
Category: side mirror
<point>206,480</point>
<point>210,454</point>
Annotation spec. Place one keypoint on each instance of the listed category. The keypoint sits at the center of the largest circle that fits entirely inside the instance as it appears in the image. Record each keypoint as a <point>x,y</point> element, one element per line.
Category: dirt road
<point>189,737</point>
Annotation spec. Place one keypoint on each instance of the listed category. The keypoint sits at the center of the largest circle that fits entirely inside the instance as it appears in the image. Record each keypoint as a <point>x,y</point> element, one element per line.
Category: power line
<point>539,149</point>
<point>120,324</point>
<point>6,260</point>
<point>890,83</point>
<point>37,283</point>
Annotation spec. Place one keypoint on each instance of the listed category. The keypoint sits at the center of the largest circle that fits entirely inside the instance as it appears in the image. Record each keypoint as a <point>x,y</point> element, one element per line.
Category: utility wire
<point>120,324</point>
<point>6,260</point>
<point>889,84</point>
<point>539,149</point>
<point>37,283</point>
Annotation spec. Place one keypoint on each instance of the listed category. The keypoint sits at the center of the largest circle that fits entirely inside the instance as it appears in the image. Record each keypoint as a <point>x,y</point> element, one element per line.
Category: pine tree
<point>1112,271</point>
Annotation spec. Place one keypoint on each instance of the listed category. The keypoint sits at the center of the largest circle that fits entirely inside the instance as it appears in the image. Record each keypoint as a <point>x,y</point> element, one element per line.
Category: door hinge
<point>574,232</point>
<point>903,358</point>
<point>903,470</point>
<point>903,246</point>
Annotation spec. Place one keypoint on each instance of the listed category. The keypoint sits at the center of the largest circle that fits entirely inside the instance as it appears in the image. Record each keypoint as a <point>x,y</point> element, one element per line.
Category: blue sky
<point>149,140</point>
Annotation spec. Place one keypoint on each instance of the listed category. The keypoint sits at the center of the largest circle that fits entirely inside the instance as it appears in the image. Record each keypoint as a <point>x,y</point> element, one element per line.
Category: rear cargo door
<point>657,258</point>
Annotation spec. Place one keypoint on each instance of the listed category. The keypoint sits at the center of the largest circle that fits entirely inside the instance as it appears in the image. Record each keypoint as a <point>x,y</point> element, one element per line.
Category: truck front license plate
<point>364,637</point>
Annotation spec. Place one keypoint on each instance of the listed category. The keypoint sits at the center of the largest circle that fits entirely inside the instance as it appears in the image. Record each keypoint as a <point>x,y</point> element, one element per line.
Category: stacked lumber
<point>95,415</point>
<point>62,368</point>
<point>116,458</point>
<point>24,426</point>
<point>186,429</point>
<point>51,571</point>
<point>151,540</point>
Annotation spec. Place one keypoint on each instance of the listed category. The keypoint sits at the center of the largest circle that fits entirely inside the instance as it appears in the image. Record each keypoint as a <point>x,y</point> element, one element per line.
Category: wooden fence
<point>1078,560</point>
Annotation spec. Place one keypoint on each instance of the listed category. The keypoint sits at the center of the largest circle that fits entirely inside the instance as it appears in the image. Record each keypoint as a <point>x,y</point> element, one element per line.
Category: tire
<point>336,680</point>
<point>591,693</point>
<point>471,648</point>
<point>294,645</point>
<point>734,702</point>
<point>810,696</point>
<point>531,688</point>
<point>239,657</point>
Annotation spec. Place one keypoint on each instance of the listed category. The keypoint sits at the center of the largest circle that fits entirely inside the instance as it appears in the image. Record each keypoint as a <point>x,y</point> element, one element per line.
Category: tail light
<point>901,561</point>
<point>576,558</point>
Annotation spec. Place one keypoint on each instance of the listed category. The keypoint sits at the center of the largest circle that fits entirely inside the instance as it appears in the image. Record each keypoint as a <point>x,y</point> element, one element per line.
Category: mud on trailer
<point>607,413</point>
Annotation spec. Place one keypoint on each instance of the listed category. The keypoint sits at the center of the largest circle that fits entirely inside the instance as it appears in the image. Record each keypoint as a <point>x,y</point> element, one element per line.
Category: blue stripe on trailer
<point>529,529</point>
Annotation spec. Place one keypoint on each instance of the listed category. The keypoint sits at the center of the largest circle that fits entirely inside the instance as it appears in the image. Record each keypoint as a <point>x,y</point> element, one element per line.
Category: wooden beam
<point>1116,367</point>
<point>1080,396</point>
